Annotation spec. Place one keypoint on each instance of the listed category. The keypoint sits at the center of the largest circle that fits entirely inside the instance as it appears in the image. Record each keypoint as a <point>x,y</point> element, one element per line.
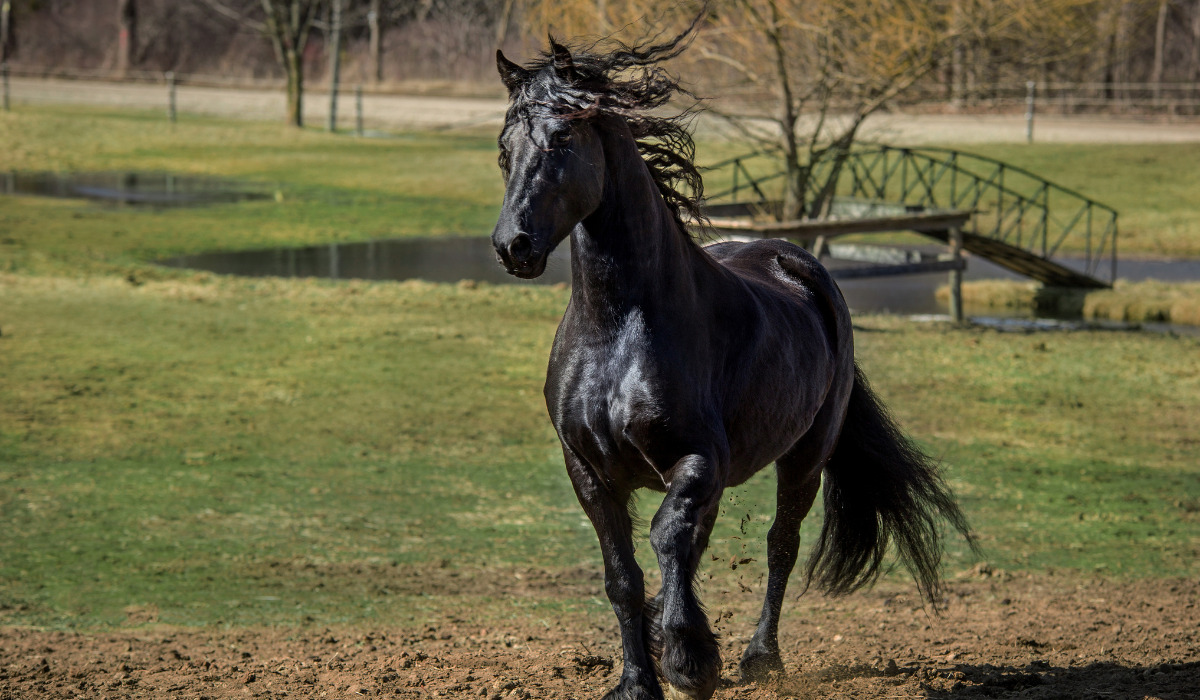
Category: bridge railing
<point>751,177</point>
<point>1009,204</point>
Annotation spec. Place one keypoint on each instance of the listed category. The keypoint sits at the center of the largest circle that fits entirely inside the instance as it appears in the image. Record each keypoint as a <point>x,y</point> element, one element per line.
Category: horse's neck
<point>629,253</point>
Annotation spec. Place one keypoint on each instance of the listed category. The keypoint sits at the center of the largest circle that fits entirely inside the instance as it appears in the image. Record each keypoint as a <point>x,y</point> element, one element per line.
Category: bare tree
<point>287,24</point>
<point>815,70</point>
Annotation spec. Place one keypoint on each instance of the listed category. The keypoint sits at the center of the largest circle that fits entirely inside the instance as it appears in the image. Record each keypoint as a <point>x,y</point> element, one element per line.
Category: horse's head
<point>552,159</point>
<point>561,141</point>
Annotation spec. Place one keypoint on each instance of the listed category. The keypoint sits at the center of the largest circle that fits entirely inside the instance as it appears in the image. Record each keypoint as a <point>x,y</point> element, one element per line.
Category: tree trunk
<point>1160,35</point>
<point>1195,62</point>
<point>838,153</point>
<point>502,24</point>
<point>335,60</point>
<point>797,183</point>
<point>958,56</point>
<point>1121,55</point>
<point>295,86</point>
<point>5,28</point>
<point>375,30</point>
<point>127,37</point>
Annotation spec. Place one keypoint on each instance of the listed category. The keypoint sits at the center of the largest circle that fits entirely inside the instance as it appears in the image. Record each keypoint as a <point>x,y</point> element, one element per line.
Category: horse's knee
<point>667,538</point>
<point>625,592</point>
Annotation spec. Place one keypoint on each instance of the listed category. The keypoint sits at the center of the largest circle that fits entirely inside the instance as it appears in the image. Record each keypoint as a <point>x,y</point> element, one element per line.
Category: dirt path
<point>421,112</point>
<point>1001,636</point>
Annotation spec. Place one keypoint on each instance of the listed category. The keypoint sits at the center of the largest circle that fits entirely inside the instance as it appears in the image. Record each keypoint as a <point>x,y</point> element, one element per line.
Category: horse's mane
<point>611,77</point>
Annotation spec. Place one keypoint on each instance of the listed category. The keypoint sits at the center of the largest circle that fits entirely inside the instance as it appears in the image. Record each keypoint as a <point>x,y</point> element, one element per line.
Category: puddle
<point>472,258</point>
<point>144,189</point>
<point>430,259</point>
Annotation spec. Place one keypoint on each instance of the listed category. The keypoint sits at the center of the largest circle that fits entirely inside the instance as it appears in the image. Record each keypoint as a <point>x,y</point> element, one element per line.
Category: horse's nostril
<point>520,248</point>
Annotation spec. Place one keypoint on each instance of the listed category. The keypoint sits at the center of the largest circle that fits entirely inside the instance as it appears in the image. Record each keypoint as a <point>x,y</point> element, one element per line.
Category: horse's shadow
<point>1039,679</point>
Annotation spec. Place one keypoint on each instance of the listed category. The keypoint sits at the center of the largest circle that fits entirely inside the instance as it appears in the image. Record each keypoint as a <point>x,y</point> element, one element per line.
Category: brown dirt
<point>1001,635</point>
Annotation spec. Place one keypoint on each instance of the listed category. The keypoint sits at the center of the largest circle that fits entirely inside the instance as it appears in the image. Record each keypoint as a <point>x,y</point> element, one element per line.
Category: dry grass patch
<point>1137,302</point>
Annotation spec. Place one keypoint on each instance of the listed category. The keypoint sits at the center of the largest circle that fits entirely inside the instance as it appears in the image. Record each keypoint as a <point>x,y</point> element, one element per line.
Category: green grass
<point>247,452</point>
<point>184,444</point>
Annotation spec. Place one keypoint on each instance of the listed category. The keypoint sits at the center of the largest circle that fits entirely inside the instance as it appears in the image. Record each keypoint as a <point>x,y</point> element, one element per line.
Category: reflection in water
<point>431,259</point>
<point>152,189</point>
<point>454,259</point>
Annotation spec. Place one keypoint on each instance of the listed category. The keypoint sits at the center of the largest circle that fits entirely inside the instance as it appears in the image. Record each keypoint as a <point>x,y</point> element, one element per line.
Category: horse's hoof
<point>673,693</point>
<point>691,665</point>
<point>630,690</point>
<point>760,667</point>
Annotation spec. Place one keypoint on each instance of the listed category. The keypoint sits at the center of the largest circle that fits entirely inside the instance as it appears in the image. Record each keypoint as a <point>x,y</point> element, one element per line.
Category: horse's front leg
<point>623,582</point>
<point>691,660</point>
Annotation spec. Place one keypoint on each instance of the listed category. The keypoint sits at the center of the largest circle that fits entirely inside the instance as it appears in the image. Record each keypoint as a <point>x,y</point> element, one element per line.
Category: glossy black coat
<point>678,368</point>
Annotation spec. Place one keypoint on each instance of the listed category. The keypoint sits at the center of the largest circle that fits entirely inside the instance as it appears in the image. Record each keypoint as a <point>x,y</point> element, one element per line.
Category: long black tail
<point>879,487</point>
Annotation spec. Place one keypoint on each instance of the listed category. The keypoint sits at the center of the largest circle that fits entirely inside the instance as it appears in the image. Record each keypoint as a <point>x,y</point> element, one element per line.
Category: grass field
<point>259,452</point>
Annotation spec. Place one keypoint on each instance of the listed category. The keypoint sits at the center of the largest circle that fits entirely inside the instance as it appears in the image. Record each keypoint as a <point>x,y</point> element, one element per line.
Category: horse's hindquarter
<point>802,350</point>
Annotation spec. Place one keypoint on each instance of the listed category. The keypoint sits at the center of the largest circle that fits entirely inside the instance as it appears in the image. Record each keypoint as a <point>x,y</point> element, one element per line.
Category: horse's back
<point>781,267</point>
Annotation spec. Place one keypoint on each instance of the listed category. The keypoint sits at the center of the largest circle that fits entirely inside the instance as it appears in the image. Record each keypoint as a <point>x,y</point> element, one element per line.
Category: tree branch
<point>232,14</point>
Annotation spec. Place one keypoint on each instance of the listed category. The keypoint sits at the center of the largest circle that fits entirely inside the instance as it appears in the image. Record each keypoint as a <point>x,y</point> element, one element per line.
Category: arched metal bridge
<point>1007,214</point>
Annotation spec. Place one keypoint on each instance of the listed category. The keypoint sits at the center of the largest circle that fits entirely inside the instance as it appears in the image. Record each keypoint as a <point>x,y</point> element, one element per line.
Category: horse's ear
<point>564,65</point>
<point>511,74</point>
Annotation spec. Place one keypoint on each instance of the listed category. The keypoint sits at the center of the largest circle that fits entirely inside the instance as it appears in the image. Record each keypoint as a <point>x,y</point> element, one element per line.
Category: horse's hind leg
<point>798,478</point>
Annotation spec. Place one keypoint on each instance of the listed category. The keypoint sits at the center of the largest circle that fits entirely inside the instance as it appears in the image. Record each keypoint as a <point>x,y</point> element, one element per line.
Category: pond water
<point>454,259</point>
<point>146,189</point>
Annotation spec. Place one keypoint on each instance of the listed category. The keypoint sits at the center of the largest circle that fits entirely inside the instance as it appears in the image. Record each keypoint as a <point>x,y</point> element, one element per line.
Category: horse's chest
<point>607,400</point>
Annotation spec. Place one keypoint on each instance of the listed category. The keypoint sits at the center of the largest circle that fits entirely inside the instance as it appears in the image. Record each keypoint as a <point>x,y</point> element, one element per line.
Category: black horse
<point>686,369</point>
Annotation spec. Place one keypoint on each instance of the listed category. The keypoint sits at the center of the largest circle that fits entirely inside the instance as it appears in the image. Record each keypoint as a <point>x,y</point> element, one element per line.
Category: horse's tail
<point>880,487</point>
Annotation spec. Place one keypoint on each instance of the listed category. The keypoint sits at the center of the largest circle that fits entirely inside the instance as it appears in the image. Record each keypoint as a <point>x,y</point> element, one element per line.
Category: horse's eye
<point>561,138</point>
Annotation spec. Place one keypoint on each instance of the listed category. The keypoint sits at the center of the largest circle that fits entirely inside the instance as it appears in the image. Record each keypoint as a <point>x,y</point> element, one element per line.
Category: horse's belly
<point>774,410</point>
<point>761,436</point>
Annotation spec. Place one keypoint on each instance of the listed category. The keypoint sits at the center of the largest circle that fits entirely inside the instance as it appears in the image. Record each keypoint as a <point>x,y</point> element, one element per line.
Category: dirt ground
<point>1001,636</point>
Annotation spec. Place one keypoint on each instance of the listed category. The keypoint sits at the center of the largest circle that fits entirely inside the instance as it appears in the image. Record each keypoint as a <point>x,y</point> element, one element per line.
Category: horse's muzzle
<point>520,257</point>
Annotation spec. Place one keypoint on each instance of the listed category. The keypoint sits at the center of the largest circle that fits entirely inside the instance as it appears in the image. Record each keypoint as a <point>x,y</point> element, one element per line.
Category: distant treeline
<point>1117,48</point>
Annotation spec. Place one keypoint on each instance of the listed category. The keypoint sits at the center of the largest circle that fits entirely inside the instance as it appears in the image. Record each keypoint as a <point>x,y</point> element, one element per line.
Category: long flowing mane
<point>611,77</point>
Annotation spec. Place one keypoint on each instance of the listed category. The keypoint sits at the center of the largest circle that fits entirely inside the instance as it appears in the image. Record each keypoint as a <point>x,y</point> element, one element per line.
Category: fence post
<point>1030,87</point>
<point>956,275</point>
<point>170,75</point>
<point>4,70</point>
<point>358,110</point>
